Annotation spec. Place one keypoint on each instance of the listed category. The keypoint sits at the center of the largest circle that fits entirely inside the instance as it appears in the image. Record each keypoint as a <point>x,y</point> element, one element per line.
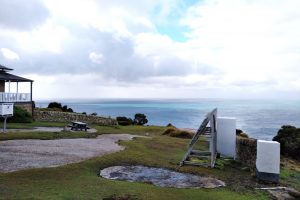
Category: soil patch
<point>24,154</point>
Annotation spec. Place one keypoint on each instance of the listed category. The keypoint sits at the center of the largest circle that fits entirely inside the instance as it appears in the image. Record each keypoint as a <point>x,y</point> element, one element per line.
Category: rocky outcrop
<point>57,116</point>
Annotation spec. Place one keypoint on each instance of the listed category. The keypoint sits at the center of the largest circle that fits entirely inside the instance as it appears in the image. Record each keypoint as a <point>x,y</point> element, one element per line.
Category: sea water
<point>260,119</point>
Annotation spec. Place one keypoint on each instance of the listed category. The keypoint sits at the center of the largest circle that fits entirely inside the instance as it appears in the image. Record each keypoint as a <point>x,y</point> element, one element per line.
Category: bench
<point>79,126</point>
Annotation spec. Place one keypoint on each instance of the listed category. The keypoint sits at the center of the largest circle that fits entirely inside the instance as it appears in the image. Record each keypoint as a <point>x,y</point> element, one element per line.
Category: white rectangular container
<point>226,136</point>
<point>268,160</point>
<point>268,156</point>
<point>6,109</point>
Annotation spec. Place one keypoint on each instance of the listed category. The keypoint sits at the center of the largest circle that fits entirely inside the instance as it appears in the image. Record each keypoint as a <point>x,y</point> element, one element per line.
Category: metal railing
<point>15,97</point>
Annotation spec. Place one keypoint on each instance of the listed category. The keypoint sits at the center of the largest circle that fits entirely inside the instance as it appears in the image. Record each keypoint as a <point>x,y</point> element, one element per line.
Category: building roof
<point>3,68</point>
<point>4,76</point>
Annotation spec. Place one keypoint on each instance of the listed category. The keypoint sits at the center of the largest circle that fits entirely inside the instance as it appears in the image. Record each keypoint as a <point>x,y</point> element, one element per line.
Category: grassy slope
<point>80,181</point>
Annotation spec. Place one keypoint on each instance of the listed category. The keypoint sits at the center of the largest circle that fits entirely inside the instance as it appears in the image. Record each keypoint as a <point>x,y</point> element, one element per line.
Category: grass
<point>33,124</point>
<point>80,180</point>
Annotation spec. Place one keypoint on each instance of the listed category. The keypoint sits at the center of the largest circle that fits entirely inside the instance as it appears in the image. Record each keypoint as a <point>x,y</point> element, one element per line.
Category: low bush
<point>289,139</point>
<point>58,107</point>
<point>240,133</point>
<point>124,121</point>
<point>174,132</point>
<point>20,116</point>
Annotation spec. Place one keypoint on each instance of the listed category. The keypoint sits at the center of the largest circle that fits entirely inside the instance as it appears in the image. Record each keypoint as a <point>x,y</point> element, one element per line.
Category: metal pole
<point>4,124</point>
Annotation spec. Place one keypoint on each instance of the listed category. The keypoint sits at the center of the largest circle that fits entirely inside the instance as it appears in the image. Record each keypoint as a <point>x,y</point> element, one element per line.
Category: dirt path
<point>47,129</point>
<point>24,154</point>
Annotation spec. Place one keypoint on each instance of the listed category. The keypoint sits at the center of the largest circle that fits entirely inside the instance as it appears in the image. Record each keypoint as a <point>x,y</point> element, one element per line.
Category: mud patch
<point>159,177</point>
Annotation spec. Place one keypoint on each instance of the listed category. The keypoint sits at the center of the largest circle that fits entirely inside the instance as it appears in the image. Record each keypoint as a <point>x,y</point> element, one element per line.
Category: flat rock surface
<point>159,177</point>
<point>24,154</point>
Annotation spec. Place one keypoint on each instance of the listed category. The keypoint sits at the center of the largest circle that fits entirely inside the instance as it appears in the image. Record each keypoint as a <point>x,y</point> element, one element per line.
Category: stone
<point>159,177</point>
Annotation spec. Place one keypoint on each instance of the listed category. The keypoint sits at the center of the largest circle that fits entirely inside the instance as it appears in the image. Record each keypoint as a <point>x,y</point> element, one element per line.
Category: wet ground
<point>159,177</point>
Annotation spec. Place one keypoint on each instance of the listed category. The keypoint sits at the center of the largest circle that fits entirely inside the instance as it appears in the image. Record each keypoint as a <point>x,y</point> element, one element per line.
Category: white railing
<point>15,97</point>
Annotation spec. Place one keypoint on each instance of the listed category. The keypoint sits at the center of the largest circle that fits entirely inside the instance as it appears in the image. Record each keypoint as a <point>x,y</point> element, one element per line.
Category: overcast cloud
<point>154,49</point>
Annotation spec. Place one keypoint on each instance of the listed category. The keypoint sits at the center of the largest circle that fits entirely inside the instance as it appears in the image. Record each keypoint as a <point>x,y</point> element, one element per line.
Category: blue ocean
<point>260,119</point>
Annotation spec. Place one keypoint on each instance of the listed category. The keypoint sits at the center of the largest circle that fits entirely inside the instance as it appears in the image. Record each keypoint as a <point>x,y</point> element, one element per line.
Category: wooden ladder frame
<point>211,134</point>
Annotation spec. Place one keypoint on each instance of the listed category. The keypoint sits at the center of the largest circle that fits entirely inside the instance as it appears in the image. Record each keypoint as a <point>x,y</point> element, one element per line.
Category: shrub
<point>94,114</point>
<point>174,132</point>
<point>181,134</point>
<point>140,119</point>
<point>240,133</point>
<point>57,106</point>
<point>20,116</point>
<point>289,139</point>
<point>124,121</point>
<point>54,105</point>
<point>169,131</point>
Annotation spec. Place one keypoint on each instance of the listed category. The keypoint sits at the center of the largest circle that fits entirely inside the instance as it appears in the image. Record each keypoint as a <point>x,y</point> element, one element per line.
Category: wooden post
<point>9,86</point>
<point>31,91</point>
<point>32,104</point>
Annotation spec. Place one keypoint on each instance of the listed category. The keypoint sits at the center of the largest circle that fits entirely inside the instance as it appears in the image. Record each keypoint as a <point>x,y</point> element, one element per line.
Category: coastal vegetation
<point>58,107</point>
<point>124,121</point>
<point>20,116</point>
<point>289,139</point>
<point>174,132</point>
<point>139,119</point>
<point>80,180</point>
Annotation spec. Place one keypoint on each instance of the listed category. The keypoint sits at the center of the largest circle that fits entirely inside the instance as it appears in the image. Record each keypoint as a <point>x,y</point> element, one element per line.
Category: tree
<point>54,105</point>
<point>140,119</point>
<point>60,107</point>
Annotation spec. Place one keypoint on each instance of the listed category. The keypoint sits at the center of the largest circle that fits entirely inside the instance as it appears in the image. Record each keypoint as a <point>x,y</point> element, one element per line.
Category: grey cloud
<point>23,15</point>
<point>120,62</point>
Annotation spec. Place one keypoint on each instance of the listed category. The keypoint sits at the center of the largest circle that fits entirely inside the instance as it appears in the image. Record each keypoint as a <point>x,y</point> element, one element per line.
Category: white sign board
<point>6,109</point>
<point>226,136</point>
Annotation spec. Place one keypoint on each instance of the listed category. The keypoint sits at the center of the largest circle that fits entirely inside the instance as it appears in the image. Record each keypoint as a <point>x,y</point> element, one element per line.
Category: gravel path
<point>47,129</point>
<point>24,154</point>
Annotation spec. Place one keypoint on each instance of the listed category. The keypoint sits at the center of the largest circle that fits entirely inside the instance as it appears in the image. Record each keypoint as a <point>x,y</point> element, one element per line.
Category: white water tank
<point>6,109</point>
<point>226,136</point>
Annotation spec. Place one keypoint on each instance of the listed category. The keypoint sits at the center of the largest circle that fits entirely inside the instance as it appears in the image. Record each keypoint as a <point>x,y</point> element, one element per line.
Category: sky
<point>153,48</point>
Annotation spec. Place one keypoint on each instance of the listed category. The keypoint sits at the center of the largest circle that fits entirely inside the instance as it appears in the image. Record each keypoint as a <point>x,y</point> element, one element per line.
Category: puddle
<point>159,177</point>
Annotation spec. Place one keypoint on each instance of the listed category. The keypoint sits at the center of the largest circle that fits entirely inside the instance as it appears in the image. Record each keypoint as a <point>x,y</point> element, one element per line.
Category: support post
<point>9,86</point>
<point>31,91</point>
<point>4,124</point>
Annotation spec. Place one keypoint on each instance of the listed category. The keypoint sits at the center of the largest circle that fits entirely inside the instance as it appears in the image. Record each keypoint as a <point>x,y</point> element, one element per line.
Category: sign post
<point>6,111</point>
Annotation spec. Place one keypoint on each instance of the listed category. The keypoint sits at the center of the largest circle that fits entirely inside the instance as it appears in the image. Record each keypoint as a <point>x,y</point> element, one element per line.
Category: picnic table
<point>79,126</point>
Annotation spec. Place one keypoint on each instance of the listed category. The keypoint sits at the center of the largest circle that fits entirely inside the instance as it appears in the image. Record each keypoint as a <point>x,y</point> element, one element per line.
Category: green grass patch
<point>80,180</point>
<point>46,135</point>
<point>33,124</point>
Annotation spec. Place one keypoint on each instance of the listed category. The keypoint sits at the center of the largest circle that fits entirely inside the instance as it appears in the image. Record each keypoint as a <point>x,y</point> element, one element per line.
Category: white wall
<point>226,136</point>
<point>268,156</point>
